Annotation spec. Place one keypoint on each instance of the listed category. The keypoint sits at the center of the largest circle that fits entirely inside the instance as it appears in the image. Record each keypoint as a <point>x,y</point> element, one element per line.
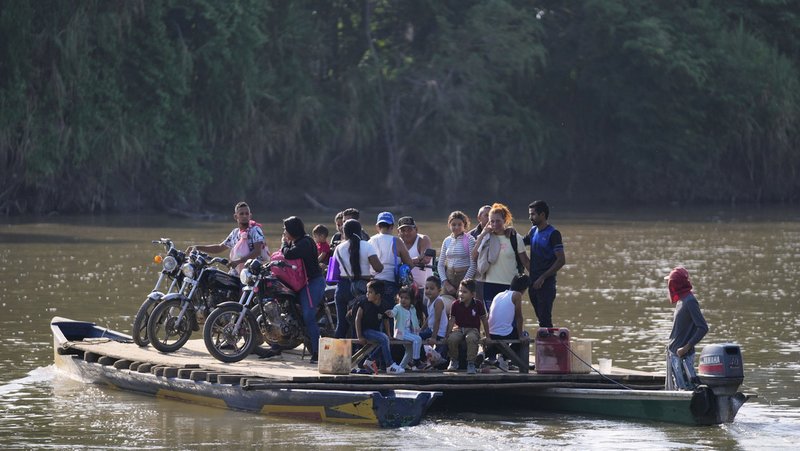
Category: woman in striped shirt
<point>455,262</point>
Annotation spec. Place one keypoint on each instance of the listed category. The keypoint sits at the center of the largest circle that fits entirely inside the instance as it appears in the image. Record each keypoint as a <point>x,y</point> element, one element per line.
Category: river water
<point>744,265</point>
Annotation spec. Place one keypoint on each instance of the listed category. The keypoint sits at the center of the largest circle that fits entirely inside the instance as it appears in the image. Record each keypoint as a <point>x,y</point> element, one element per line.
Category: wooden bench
<point>521,360</point>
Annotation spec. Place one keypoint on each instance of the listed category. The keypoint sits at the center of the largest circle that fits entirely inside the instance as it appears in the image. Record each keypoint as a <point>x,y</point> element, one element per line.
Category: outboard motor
<point>722,370</point>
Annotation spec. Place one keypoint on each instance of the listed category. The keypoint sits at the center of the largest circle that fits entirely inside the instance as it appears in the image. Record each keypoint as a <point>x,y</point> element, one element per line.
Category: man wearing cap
<point>688,328</point>
<point>391,252</point>
<point>417,244</point>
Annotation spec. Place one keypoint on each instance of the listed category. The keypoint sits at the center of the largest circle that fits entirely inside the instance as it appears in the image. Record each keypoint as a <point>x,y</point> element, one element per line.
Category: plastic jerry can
<point>552,350</point>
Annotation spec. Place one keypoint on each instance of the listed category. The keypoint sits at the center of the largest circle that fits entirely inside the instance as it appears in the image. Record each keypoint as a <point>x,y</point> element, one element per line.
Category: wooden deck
<point>291,369</point>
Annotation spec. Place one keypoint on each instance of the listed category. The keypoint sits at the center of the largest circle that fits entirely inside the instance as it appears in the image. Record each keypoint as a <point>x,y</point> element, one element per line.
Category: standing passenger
<point>338,236</point>
<point>391,252</point>
<point>355,257</point>
<point>297,244</point>
<point>455,258</point>
<point>417,244</point>
<point>245,242</point>
<point>547,257</point>
<point>501,253</point>
<point>688,328</point>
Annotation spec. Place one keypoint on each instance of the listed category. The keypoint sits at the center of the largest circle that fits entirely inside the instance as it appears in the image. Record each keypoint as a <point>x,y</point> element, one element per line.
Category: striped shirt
<point>455,254</point>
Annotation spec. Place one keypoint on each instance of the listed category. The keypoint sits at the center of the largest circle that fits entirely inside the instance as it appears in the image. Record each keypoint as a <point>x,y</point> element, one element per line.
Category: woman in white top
<point>355,257</point>
<point>497,261</point>
<point>455,261</point>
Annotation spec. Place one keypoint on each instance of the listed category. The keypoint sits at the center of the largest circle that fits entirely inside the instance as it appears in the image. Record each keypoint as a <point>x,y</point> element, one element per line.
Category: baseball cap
<point>385,217</point>
<point>406,221</point>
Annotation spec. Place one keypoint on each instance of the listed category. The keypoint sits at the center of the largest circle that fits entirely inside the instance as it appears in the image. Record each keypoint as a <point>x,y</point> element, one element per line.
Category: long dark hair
<point>352,232</point>
<point>294,226</point>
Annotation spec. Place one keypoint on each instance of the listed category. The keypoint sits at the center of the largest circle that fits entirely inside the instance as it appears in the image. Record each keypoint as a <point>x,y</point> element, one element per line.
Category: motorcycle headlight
<point>245,276</point>
<point>170,264</point>
<point>188,270</point>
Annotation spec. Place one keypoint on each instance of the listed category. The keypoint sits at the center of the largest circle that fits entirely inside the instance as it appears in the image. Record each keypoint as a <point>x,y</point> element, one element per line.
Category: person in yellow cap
<point>688,328</point>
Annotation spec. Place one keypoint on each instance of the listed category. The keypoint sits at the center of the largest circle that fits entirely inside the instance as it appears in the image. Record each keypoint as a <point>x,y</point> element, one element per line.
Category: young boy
<point>368,324</point>
<point>466,317</point>
<point>436,326</point>
<point>320,233</point>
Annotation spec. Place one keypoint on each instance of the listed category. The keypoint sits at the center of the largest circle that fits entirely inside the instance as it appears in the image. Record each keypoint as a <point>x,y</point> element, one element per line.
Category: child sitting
<point>466,317</point>
<point>436,327</point>
<point>320,233</point>
<point>368,324</point>
<point>406,326</point>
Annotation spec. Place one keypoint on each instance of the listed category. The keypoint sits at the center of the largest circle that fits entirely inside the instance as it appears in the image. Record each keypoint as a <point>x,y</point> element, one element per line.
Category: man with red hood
<point>688,328</point>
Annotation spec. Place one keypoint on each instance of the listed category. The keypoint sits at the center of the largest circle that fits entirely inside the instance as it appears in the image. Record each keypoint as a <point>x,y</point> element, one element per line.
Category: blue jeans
<point>412,348</point>
<point>383,343</point>
<point>676,373</point>
<point>343,297</point>
<point>316,289</point>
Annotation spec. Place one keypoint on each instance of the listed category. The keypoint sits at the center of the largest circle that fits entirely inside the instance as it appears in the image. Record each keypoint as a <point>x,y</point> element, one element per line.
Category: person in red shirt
<point>466,317</point>
<point>320,233</point>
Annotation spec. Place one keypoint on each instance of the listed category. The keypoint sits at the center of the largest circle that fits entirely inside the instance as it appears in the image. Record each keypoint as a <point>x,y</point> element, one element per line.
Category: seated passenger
<point>406,328</point>
<point>505,316</point>
<point>436,326</point>
<point>464,327</point>
<point>368,324</point>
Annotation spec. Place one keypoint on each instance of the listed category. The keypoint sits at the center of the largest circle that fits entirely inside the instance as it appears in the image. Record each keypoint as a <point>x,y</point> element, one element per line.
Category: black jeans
<point>542,300</point>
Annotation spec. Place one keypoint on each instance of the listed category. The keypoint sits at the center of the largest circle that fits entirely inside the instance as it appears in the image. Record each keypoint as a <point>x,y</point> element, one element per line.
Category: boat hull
<point>388,409</point>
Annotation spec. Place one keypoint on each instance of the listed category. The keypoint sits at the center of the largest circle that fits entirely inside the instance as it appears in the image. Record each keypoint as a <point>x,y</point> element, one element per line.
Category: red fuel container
<point>552,350</point>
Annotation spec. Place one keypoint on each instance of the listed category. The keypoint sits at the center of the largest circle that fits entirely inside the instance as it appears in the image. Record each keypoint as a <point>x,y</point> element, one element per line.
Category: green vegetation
<point>108,105</point>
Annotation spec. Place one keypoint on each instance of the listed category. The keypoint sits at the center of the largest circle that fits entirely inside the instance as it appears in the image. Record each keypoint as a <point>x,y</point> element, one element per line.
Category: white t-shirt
<point>342,253</point>
<point>383,243</point>
<point>441,331</point>
<point>501,314</point>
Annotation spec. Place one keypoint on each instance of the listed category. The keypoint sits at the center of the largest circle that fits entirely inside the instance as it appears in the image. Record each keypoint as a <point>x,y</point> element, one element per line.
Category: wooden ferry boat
<point>293,387</point>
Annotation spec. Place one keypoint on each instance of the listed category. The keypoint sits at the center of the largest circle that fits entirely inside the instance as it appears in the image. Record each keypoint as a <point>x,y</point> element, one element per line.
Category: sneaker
<point>267,353</point>
<point>453,366</point>
<point>502,363</point>
<point>395,369</point>
<point>471,368</point>
<point>371,366</point>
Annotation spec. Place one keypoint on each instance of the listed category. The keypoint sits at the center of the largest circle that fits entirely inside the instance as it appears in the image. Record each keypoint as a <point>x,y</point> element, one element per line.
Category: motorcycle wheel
<point>139,330</point>
<point>223,340</point>
<point>165,335</point>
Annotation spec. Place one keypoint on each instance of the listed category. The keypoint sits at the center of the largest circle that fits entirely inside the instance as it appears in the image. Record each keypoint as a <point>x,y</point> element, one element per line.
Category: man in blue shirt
<point>547,257</point>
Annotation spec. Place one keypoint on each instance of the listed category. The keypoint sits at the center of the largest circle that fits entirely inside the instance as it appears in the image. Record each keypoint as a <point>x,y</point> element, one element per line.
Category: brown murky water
<point>745,268</point>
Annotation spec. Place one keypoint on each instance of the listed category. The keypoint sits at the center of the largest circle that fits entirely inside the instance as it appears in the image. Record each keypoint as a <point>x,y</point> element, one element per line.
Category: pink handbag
<point>293,275</point>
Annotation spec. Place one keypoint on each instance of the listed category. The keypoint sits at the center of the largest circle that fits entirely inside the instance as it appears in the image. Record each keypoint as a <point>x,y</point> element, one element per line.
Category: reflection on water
<point>611,291</point>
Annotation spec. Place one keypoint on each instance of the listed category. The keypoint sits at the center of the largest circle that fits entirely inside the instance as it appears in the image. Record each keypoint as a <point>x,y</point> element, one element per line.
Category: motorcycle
<point>179,314</point>
<point>268,309</point>
<point>170,271</point>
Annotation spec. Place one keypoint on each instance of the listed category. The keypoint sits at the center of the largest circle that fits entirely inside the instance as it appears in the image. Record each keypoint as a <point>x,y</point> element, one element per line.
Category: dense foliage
<point>107,105</point>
